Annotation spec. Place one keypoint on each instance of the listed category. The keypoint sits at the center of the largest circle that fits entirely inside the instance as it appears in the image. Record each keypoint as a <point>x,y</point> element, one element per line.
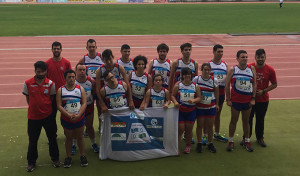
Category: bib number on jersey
<point>158,102</point>
<point>206,98</point>
<point>138,89</point>
<point>185,96</point>
<point>73,106</point>
<point>116,102</point>
<point>92,71</point>
<point>220,76</point>
<point>243,84</point>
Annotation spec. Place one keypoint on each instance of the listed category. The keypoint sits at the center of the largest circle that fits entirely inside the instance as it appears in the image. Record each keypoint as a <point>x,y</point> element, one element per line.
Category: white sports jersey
<point>115,71</point>
<point>157,99</point>
<point>163,69</point>
<point>219,72</point>
<point>92,64</point>
<point>88,86</point>
<point>138,84</point>
<point>191,65</point>
<point>186,92</point>
<point>116,97</point>
<point>127,66</point>
<point>71,99</point>
<point>207,87</point>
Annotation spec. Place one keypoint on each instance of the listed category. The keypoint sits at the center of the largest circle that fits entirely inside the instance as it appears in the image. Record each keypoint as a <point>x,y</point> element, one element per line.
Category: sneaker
<point>261,142</point>
<point>83,161</point>
<point>187,150</point>
<point>73,150</point>
<point>199,148</point>
<point>30,167</point>
<point>56,164</point>
<point>67,163</point>
<point>248,146</point>
<point>96,148</point>
<point>211,148</point>
<point>220,138</point>
<point>230,146</point>
<point>85,134</point>
<point>242,143</point>
<point>204,140</point>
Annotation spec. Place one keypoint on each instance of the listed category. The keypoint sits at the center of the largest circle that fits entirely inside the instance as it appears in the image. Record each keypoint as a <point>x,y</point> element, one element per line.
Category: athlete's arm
<point>146,100</point>
<point>227,86</point>
<point>150,67</point>
<point>167,99</point>
<point>83,104</point>
<point>172,74</point>
<point>125,77</point>
<point>102,98</point>
<point>216,93</point>
<point>59,104</point>
<point>252,102</point>
<point>198,95</point>
<point>174,94</point>
<point>149,82</point>
<point>196,68</point>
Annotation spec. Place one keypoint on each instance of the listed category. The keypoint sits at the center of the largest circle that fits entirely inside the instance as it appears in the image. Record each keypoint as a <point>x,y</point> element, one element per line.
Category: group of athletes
<point>127,83</point>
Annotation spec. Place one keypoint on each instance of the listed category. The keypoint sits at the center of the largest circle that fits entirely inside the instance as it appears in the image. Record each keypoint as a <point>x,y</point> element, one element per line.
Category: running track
<point>18,54</point>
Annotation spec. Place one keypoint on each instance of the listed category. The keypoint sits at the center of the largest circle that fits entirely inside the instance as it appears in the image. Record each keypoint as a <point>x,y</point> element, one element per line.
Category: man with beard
<point>265,74</point>
<point>40,92</point>
<point>57,65</point>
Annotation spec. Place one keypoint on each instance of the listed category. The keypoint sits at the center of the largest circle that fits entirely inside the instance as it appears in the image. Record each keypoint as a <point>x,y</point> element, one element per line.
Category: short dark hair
<point>240,52</point>
<point>67,72</point>
<point>40,64</point>
<point>157,75</point>
<point>205,64</point>
<point>107,54</point>
<point>137,59</point>
<point>78,64</point>
<point>186,71</point>
<point>217,46</point>
<point>162,46</point>
<point>105,74</point>
<point>56,43</point>
<point>260,52</point>
<point>90,41</point>
<point>185,45</point>
<point>125,46</point>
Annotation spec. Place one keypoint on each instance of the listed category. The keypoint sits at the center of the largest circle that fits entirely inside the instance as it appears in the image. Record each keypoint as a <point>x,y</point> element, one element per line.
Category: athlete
<point>125,60</point>
<point>71,102</point>
<point>140,81</point>
<point>161,65</point>
<point>219,70</point>
<point>114,92</point>
<point>92,60</point>
<point>266,81</point>
<point>40,92</point>
<point>241,98</point>
<point>89,86</point>
<point>206,109</point>
<point>185,95</point>
<point>56,67</point>
<point>117,70</point>
<point>185,61</point>
<point>157,96</point>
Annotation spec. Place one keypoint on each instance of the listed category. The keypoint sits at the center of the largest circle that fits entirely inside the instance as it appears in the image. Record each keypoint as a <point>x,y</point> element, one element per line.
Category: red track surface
<point>18,54</point>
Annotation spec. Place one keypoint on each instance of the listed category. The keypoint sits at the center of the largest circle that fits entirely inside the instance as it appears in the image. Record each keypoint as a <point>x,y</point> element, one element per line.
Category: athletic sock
<point>74,141</point>
<point>93,141</point>
<point>247,139</point>
<point>230,139</point>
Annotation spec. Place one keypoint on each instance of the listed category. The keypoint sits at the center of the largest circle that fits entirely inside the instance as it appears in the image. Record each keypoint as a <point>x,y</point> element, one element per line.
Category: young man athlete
<point>125,59</point>
<point>161,65</point>
<point>219,71</point>
<point>241,97</point>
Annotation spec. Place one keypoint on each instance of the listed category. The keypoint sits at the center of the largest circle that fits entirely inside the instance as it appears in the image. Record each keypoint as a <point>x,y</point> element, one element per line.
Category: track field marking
<point>145,47</point>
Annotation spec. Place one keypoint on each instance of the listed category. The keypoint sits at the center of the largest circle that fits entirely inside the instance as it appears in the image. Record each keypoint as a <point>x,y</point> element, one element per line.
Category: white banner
<point>138,135</point>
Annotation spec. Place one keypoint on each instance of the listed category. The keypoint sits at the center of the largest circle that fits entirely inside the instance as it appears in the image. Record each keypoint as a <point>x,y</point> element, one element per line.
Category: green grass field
<point>279,158</point>
<point>121,19</point>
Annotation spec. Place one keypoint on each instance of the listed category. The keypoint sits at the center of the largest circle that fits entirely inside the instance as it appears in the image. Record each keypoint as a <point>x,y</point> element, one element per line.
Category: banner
<point>138,135</point>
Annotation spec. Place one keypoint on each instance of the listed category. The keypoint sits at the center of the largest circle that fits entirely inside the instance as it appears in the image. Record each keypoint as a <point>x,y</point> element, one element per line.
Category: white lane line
<point>146,47</point>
